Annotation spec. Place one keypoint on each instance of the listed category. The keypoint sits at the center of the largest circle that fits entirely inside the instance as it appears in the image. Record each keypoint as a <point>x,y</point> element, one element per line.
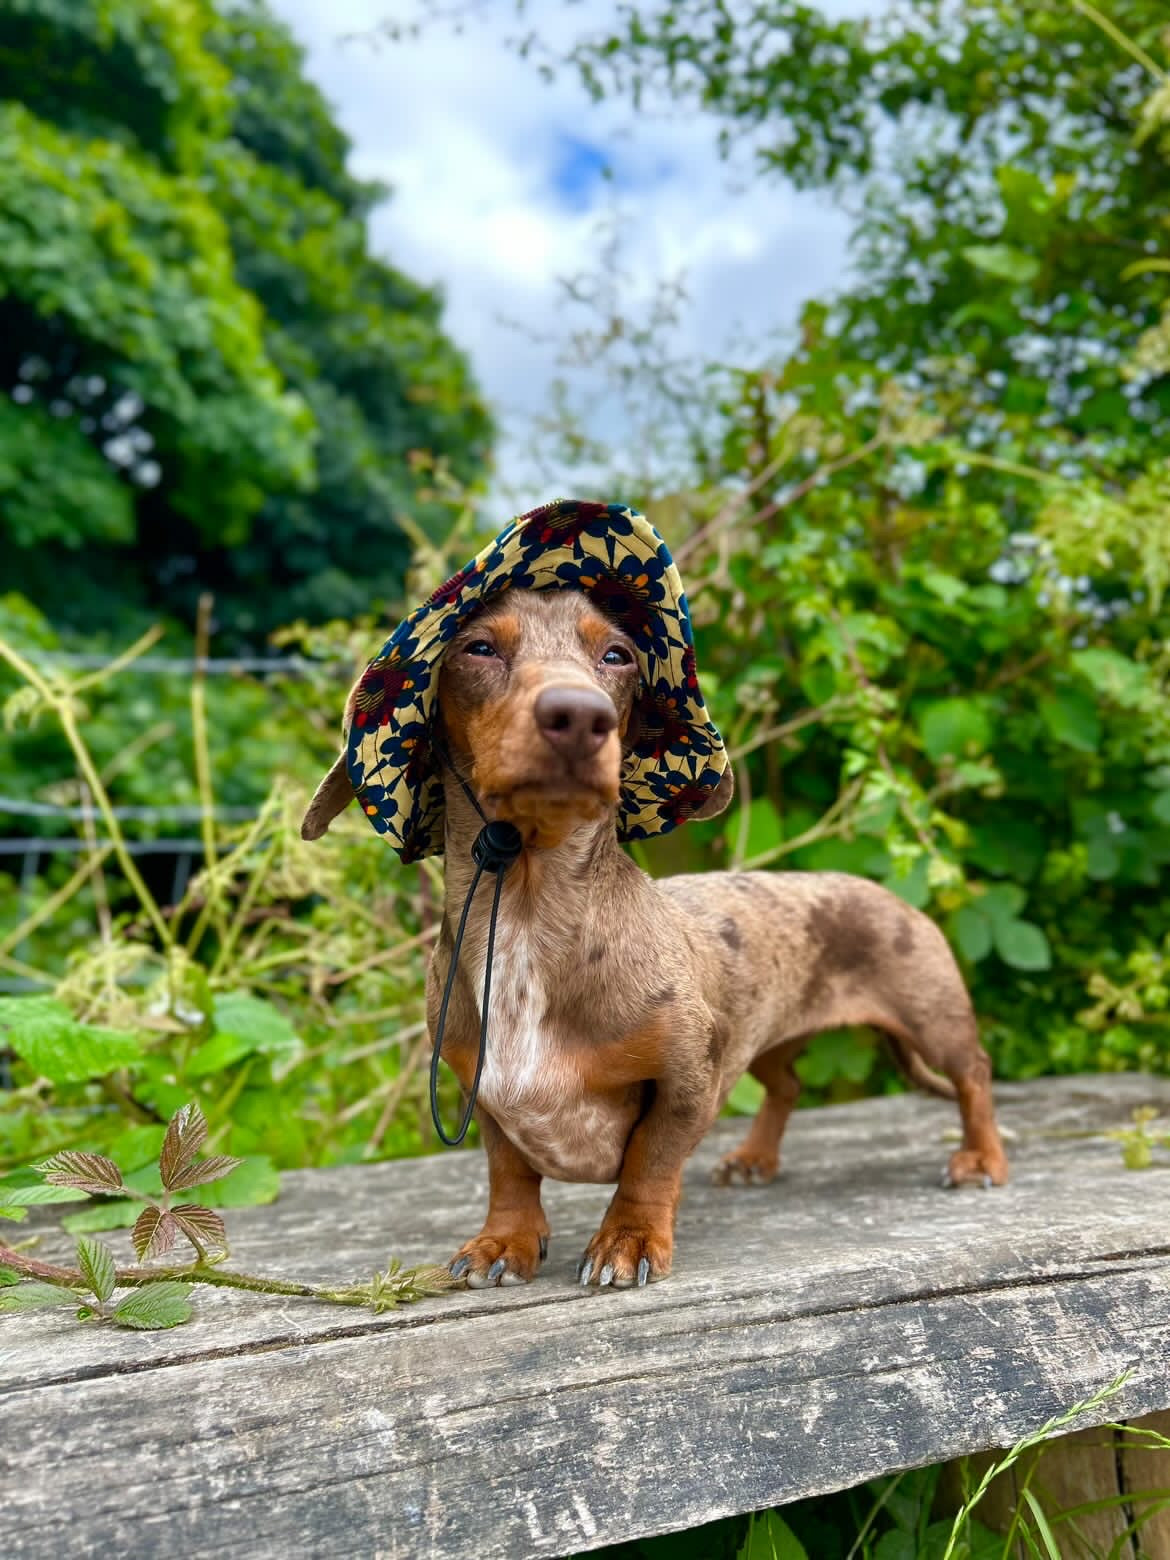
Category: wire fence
<point>32,850</point>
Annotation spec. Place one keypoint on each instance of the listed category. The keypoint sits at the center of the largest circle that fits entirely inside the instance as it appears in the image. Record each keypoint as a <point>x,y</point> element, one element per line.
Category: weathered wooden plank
<point>849,1320</point>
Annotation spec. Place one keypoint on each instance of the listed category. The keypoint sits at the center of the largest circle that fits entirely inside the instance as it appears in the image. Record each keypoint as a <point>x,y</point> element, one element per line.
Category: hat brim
<point>618,559</point>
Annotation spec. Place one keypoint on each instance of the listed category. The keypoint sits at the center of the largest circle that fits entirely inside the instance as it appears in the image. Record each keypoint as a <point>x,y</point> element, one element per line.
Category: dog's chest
<point>531,1084</point>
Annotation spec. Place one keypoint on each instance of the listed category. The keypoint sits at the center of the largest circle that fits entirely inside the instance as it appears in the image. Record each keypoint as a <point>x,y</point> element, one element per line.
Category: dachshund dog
<point>623,1009</point>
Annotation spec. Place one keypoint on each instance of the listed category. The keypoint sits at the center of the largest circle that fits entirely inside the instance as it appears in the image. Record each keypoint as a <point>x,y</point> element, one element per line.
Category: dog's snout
<point>575,721</point>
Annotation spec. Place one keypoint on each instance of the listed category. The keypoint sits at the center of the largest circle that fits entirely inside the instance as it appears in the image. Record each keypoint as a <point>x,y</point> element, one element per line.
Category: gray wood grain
<point>851,1319</point>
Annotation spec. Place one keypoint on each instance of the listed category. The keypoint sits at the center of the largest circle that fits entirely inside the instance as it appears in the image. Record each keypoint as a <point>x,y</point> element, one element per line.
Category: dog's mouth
<point>546,811</point>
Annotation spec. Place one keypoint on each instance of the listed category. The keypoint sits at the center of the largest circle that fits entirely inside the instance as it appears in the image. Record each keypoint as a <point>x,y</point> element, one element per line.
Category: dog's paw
<point>975,1167</point>
<point>489,1261</point>
<point>623,1255</point>
<point>743,1168</point>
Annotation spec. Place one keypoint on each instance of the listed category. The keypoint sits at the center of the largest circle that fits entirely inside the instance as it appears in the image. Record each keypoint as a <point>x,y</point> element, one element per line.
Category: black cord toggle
<point>496,847</point>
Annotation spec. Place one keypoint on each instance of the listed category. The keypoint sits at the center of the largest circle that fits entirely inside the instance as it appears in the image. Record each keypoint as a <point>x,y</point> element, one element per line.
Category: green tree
<point>210,381</point>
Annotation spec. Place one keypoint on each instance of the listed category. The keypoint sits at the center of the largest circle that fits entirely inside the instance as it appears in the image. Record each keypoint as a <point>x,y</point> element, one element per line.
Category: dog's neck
<point>555,890</point>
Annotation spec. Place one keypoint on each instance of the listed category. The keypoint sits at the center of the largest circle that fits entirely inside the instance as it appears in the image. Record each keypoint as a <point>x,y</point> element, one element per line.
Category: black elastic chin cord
<point>495,848</point>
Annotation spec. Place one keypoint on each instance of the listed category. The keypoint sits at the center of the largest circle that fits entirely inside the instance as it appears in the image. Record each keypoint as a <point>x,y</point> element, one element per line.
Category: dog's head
<point>557,672</point>
<point>535,697</point>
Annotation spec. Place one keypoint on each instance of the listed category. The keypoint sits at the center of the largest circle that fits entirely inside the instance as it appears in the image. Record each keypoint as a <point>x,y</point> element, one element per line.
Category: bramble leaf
<point>205,1171</point>
<point>86,1172</point>
<point>155,1305</point>
<point>154,1233</point>
<point>35,1296</point>
<point>202,1226</point>
<point>96,1262</point>
<point>186,1134</point>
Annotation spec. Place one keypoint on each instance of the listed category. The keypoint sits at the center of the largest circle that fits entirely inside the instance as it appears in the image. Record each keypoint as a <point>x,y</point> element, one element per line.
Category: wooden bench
<point>850,1320</point>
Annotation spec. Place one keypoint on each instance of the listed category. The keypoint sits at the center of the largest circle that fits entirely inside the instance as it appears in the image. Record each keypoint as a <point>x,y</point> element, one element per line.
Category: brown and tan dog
<point>624,1009</point>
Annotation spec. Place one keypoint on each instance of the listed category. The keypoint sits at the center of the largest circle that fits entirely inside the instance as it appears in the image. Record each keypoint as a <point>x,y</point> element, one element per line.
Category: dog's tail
<point>918,1072</point>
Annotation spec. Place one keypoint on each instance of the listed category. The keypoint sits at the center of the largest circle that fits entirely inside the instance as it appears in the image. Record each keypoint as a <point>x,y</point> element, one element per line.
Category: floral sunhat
<point>618,559</point>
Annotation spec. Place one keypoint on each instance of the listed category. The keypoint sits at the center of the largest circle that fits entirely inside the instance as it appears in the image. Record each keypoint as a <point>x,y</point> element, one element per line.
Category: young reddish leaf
<point>213,1169</point>
<point>85,1172</point>
<point>155,1305</point>
<point>154,1233</point>
<point>202,1226</point>
<point>96,1262</point>
<point>186,1134</point>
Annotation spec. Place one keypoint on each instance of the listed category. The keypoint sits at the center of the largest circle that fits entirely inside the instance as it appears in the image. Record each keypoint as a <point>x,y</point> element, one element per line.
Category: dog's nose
<point>575,721</point>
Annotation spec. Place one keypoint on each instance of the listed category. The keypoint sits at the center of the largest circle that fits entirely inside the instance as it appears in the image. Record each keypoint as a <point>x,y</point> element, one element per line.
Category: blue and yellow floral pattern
<point>618,559</point>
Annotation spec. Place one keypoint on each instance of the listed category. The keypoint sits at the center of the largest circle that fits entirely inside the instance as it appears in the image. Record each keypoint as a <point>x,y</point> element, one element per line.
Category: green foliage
<point>188,307</point>
<point>161,1297</point>
<point>926,549</point>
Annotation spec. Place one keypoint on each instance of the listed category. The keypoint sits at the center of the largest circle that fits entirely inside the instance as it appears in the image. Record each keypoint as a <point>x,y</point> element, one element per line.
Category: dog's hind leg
<point>757,1158</point>
<point>981,1160</point>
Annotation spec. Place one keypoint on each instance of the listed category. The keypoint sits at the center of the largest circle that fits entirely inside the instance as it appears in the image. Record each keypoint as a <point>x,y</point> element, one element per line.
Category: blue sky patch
<point>579,171</point>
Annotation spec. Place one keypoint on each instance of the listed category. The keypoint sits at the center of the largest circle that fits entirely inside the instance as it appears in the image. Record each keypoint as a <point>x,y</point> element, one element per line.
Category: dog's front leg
<point>514,1239</point>
<point>635,1243</point>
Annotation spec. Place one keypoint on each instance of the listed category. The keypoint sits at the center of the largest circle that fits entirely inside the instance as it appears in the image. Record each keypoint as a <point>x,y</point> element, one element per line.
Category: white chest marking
<point>530,1085</point>
<point>516,1067</point>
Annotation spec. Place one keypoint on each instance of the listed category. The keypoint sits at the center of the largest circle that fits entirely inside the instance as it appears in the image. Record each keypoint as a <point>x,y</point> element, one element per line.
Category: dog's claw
<point>543,1247</point>
<point>945,1180</point>
<point>643,1272</point>
<point>585,1272</point>
<point>496,1269</point>
<point>459,1267</point>
<point>606,1275</point>
<point>988,1183</point>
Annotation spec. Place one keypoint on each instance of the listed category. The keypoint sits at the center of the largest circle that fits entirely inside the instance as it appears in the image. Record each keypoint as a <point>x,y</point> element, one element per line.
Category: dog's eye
<point>479,647</point>
<point>617,655</point>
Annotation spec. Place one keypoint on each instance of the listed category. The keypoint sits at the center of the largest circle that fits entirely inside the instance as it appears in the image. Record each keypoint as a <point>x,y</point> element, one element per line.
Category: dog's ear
<point>720,797</point>
<point>332,796</point>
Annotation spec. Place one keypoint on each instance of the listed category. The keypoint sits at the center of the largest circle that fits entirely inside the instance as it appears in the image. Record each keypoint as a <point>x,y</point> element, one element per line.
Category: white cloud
<point>497,194</point>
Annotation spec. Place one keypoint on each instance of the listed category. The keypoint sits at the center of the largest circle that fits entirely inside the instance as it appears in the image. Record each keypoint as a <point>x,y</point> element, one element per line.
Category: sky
<point>500,183</point>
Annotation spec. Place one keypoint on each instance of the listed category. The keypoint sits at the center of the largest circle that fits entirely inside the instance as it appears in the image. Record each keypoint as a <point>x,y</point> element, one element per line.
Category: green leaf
<point>837,1053</point>
<point>1113,675</point>
<point>39,1196</point>
<point>947,587</point>
<point>770,1538</point>
<point>746,1097</point>
<point>972,933</point>
<point>765,831</point>
<point>9,1275</point>
<point>255,1180</point>
<point>137,1146</point>
<point>1160,806</point>
<point>1002,902</point>
<point>897,1544</point>
<point>17,1215</point>
<point>1050,1544</point>
<point>1102,858</point>
<point>954,728</point>
<point>34,1296</point>
<point>1022,945</point>
<point>102,1216</point>
<point>96,1262</point>
<point>1003,261</point>
<point>257,1023</point>
<point>155,1306</point>
<point>1071,718</point>
<point>51,1042</point>
<point>219,1052</point>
